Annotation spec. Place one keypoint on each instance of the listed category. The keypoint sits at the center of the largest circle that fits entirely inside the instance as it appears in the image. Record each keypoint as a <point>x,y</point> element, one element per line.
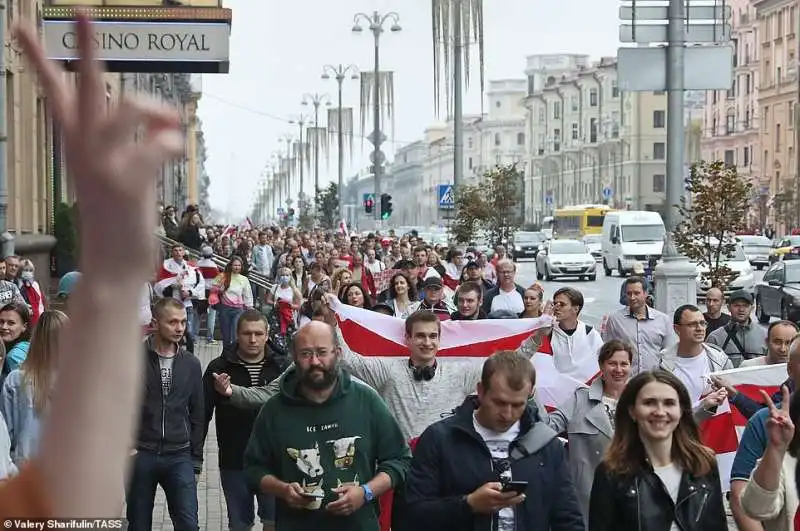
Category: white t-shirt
<point>693,372</point>
<point>498,444</point>
<point>670,476</point>
<point>508,300</point>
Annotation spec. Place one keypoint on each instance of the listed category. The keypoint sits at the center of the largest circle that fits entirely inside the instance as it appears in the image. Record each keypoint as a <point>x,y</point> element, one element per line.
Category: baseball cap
<point>67,283</point>
<point>432,282</point>
<point>405,264</point>
<point>741,295</point>
<point>472,264</point>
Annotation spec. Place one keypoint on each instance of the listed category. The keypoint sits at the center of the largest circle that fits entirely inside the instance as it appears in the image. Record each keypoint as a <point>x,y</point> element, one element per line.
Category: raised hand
<point>780,428</point>
<point>114,176</point>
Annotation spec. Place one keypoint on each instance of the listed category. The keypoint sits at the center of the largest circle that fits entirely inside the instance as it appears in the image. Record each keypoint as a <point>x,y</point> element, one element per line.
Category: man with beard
<point>326,446</point>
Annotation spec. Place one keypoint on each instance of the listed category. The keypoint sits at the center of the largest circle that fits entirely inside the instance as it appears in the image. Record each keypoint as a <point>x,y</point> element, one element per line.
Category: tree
<point>327,202</point>
<point>65,230</point>
<point>470,211</point>
<point>494,206</point>
<point>504,195</point>
<point>720,201</point>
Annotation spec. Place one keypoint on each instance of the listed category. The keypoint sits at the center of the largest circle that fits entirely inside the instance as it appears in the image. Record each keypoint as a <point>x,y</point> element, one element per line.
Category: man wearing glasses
<point>692,361</point>
<point>741,339</point>
<point>508,295</point>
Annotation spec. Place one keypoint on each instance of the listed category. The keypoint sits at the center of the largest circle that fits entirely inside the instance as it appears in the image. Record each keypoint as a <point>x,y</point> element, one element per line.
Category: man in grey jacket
<point>741,339</point>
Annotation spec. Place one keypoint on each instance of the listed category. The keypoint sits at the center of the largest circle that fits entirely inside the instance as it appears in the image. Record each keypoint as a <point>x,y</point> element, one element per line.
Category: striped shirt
<point>254,370</point>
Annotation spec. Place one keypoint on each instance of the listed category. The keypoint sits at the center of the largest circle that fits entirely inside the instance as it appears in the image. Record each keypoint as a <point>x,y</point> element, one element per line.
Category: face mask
<point>284,279</point>
<point>27,275</point>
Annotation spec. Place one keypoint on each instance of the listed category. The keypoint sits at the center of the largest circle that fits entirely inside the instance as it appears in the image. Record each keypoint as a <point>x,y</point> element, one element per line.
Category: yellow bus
<point>579,220</point>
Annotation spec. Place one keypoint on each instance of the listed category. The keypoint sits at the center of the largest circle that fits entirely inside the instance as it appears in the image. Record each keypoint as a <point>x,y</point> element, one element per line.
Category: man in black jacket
<point>525,486</point>
<point>248,362</point>
<point>169,447</point>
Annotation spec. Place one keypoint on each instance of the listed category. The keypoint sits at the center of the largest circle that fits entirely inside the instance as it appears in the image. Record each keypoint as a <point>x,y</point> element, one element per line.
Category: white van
<point>631,236</point>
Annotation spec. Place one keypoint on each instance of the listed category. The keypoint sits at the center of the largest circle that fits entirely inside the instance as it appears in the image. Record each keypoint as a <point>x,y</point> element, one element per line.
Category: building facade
<point>589,141</point>
<point>730,130</point>
<point>776,32</point>
<point>406,175</point>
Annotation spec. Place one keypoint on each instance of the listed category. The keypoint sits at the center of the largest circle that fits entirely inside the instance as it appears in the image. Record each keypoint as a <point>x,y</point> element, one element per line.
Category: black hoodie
<point>234,424</point>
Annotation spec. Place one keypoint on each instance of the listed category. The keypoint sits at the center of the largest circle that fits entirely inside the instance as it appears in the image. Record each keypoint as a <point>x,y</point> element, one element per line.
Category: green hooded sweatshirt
<point>346,440</point>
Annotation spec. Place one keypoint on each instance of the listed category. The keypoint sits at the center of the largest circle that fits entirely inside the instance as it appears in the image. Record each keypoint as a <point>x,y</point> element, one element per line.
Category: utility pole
<point>458,112</point>
<point>376,22</point>
<point>301,122</point>
<point>339,73</point>
<point>6,238</point>
<point>316,100</point>
<point>675,127</point>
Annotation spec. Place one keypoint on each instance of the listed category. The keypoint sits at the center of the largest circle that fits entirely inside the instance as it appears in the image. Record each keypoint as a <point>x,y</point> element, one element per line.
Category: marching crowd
<point>318,436</point>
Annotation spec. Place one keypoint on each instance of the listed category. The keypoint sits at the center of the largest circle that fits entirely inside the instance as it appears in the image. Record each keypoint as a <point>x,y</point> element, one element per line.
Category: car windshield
<point>755,241</point>
<point>529,237</point>
<point>792,272</point>
<point>737,255</point>
<point>567,247</point>
<point>642,233</point>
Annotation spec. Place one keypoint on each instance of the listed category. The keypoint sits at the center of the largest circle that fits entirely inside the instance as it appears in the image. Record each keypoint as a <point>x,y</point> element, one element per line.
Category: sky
<point>278,49</point>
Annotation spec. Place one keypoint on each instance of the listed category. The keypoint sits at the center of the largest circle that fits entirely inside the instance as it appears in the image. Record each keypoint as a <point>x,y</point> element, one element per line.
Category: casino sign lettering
<point>150,41</point>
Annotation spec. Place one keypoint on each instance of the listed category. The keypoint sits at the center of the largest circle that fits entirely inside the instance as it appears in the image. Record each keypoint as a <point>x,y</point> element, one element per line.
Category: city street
<point>600,296</point>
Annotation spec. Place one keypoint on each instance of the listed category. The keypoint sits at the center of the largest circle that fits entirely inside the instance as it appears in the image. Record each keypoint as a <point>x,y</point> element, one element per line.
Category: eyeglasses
<point>320,354</point>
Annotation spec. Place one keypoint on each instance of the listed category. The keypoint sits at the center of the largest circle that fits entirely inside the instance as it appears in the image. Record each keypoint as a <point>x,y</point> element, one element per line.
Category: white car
<point>594,242</point>
<point>565,258</point>
<point>738,262</point>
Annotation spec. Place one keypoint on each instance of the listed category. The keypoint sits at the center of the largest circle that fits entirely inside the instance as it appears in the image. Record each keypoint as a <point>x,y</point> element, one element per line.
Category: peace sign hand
<point>780,428</point>
<point>114,175</point>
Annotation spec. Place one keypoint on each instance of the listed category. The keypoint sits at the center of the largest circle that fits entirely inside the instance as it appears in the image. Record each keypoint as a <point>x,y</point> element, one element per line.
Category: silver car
<point>565,258</point>
<point>757,249</point>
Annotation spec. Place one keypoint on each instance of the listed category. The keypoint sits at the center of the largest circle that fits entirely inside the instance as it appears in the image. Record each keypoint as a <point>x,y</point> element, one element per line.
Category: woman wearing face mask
<point>30,289</point>
<point>299,274</point>
<point>287,300</point>
<point>656,473</point>
<point>588,417</point>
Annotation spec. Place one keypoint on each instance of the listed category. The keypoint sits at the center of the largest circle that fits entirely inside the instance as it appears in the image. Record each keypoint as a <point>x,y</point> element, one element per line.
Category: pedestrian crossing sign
<point>447,199</point>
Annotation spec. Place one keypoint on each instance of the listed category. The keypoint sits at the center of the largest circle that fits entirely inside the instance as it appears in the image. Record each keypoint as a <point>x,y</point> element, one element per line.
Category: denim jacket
<point>24,424</point>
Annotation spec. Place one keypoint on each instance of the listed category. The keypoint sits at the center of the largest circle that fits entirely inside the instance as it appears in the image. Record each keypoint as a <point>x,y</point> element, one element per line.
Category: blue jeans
<point>192,321</point>
<point>228,319</point>
<point>240,500</point>
<point>211,322</point>
<point>175,474</point>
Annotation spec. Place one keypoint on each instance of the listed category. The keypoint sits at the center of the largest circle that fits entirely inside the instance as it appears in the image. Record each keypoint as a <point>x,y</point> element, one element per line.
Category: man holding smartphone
<point>526,485</point>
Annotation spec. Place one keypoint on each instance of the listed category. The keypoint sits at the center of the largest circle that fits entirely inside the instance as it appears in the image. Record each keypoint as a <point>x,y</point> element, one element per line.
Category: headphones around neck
<point>425,373</point>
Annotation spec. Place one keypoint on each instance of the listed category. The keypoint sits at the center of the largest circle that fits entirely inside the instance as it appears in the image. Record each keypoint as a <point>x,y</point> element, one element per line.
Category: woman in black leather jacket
<point>656,475</point>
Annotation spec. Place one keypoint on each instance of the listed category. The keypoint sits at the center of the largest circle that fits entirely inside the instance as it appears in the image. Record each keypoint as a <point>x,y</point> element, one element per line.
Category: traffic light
<point>291,213</point>
<point>368,204</point>
<point>386,206</point>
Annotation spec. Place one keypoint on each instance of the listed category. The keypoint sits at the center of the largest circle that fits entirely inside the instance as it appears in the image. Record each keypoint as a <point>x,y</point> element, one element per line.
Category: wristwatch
<point>368,494</point>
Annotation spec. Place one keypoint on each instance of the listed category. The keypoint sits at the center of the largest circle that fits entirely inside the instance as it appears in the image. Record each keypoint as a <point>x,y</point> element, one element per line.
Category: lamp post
<point>288,189</point>
<point>301,122</point>
<point>316,100</point>
<point>376,22</point>
<point>339,73</point>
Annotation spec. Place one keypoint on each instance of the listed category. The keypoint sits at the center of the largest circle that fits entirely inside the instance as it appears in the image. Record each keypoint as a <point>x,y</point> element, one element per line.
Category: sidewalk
<point>211,503</point>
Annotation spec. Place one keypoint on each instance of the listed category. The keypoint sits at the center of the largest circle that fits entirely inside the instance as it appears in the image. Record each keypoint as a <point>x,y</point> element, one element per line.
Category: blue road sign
<point>607,192</point>
<point>447,199</point>
<point>548,200</point>
<point>281,211</point>
<point>368,197</point>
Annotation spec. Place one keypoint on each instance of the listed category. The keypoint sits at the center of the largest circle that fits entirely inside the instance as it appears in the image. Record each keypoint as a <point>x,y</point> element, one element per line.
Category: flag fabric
<point>722,432</point>
<point>343,228</point>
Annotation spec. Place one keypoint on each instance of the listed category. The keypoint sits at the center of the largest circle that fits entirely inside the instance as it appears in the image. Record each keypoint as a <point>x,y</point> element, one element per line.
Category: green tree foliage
<point>720,200</point>
<point>494,206</point>
<point>327,203</point>
<point>65,231</point>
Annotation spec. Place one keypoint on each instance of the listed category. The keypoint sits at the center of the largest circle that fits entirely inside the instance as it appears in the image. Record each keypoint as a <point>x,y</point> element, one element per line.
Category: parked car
<point>565,258</point>
<point>784,246</point>
<point>526,244</point>
<point>594,242</point>
<point>778,295</point>
<point>757,249</point>
<point>737,261</point>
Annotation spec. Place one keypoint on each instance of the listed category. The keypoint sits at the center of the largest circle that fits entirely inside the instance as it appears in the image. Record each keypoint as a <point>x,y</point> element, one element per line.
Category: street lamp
<point>316,100</point>
<point>301,122</point>
<point>375,24</point>
<point>340,73</point>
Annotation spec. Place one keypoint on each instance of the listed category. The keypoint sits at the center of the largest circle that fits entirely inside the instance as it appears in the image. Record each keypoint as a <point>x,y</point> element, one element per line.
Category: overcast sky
<point>278,49</point>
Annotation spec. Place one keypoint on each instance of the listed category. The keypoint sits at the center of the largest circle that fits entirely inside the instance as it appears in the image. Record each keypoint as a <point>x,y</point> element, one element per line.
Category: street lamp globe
<point>354,76</point>
<point>396,27</point>
<point>325,75</point>
<point>357,28</point>
<point>304,102</point>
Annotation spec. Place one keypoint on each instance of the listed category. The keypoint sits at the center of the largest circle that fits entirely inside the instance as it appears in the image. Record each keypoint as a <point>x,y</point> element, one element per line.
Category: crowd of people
<point>318,436</point>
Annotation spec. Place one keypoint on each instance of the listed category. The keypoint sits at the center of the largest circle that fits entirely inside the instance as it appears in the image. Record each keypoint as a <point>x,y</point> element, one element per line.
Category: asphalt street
<point>600,296</point>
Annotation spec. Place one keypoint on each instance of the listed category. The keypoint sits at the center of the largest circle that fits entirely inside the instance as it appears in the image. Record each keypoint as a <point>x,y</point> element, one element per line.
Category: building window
<point>593,130</point>
<point>593,97</point>
<point>469,163</point>
<point>497,104</point>
<point>778,138</point>
<point>614,89</point>
<point>765,117</point>
<point>574,130</point>
<point>542,117</point>
<point>556,139</point>
<point>469,142</point>
<point>729,157</point>
<point>747,118</point>
<point>730,124</point>
<point>746,155</point>
<point>659,119</point>
<point>573,101</point>
<point>520,139</point>
<point>659,183</point>
<point>659,151</point>
<point>497,141</point>
<point>556,110</point>
<point>531,84</point>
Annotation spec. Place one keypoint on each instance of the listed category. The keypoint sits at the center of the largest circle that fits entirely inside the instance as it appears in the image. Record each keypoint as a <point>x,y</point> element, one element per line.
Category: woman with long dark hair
<point>15,332</point>
<point>234,294</point>
<point>656,474</point>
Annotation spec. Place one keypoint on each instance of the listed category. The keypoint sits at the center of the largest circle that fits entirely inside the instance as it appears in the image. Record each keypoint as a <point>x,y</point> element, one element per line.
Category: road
<point>600,296</point>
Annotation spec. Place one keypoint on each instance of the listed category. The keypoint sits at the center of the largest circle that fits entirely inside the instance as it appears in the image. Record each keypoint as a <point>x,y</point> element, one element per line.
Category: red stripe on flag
<point>751,391</point>
<point>719,433</point>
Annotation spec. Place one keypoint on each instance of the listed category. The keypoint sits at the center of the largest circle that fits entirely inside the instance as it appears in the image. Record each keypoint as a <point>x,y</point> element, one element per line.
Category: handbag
<point>213,299</point>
